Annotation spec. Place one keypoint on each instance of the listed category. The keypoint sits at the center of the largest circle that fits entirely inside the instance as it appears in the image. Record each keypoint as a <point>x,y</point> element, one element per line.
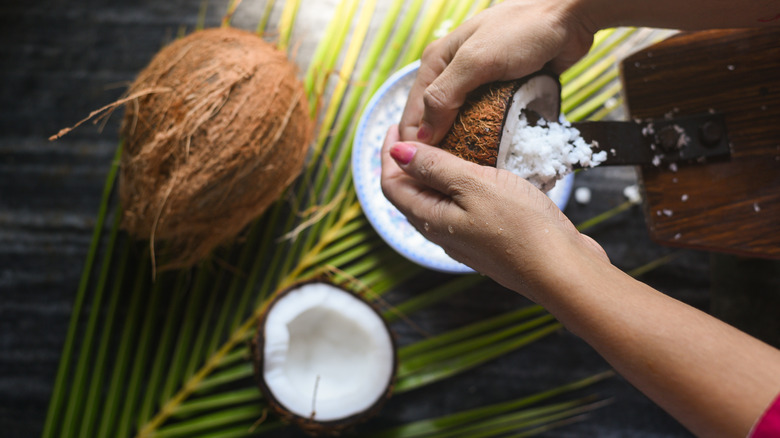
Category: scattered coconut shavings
<point>582,195</point>
<point>684,197</point>
<point>667,212</point>
<point>756,207</point>
<point>545,153</point>
<point>683,139</point>
<point>632,194</point>
<point>677,236</point>
<point>673,167</point>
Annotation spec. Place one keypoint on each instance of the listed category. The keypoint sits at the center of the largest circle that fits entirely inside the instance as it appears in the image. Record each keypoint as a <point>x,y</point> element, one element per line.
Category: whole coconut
<point>225,132</point>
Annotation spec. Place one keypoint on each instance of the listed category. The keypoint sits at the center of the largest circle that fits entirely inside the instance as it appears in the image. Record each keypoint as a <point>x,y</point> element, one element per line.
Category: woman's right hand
<point>507,41</point>
<point>489,219</point>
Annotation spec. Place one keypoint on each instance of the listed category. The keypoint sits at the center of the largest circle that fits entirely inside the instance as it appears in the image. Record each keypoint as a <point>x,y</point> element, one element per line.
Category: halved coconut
<point>491,113</point>
<point>517,126</point>
<point>324,358</point>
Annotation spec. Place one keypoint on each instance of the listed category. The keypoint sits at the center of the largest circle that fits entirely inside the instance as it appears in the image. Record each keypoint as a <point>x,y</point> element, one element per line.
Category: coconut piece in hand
<point>324,358</point>
<point>517,126</point>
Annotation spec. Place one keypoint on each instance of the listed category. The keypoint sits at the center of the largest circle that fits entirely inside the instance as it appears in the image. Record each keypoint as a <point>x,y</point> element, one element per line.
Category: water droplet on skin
<point>426,226</point>
<point>451,229</point>
<point>500,230</point>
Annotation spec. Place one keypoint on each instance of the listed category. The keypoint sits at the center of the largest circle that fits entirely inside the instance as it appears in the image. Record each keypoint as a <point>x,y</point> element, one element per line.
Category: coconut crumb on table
<point>582,195</point>
<point>632,193</point>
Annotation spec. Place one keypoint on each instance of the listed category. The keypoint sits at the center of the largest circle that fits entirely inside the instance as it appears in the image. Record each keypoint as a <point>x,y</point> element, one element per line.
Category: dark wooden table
<point>60,60</point>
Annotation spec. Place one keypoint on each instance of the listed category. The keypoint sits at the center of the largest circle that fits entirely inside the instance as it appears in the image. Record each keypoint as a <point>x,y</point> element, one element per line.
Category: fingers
<point>428,72</point>
<point>427,184</point>
<point>504,42</point>
<point>419,203</point>
<point>435,59</point>
<point>473,65</point>
<point>437,169</point>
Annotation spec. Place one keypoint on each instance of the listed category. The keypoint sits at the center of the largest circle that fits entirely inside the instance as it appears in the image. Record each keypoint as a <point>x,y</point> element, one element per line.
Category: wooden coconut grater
<point>697,138</point>
<point>722,88</point>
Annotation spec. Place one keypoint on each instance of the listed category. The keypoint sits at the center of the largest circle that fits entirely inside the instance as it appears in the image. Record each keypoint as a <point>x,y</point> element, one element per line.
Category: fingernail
<point>403,152</point>
<point>424,132</point>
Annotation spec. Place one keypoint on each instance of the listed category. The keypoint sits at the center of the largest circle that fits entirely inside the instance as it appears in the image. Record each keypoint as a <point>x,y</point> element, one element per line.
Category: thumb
<point>447,93</point>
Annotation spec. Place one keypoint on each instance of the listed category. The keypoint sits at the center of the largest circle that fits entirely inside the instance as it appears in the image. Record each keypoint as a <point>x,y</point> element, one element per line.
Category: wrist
<point>596,15</point>
<point>579,277</point>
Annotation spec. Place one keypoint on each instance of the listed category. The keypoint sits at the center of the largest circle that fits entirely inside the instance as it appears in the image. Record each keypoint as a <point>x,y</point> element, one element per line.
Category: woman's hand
<point>713,378</point>
<point>489,219</point>
<point>507,41</point>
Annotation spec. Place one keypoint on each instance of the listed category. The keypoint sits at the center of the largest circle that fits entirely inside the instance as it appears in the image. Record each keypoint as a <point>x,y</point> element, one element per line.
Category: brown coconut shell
<point>479,125</point>
<point>225,131</point>
<point>308,425</point>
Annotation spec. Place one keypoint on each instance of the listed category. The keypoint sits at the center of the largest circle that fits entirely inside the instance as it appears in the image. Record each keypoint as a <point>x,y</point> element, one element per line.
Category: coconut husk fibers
<point>203,159</point>
<point>476,133</point>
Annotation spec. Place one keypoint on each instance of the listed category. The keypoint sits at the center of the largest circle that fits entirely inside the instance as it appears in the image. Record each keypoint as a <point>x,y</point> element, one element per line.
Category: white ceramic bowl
<point>383,110</point>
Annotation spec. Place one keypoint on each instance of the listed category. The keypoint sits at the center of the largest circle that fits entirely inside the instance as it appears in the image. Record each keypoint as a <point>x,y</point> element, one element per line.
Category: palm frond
<point>478,417</point>
<point>169,358</point>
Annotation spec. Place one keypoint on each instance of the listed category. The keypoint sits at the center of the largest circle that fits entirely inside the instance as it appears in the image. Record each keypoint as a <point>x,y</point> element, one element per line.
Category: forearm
<point>676,14</point>
<point>713,378</point>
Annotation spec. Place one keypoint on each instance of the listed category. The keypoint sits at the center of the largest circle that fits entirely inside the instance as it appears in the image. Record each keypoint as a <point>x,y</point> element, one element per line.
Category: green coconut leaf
<point>461,419</point>
<point>167,355</point>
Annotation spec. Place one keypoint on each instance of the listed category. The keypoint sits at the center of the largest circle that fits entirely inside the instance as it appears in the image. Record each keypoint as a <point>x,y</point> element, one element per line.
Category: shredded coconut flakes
<point>547,152</point>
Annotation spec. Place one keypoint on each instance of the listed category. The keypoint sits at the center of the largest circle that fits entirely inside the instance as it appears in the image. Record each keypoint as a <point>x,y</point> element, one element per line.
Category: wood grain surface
<point>731,206</point>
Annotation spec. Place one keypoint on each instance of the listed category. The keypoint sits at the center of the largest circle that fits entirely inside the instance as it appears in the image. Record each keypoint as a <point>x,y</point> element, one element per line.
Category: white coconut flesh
<point>546,151</point>
<point>327,354</point>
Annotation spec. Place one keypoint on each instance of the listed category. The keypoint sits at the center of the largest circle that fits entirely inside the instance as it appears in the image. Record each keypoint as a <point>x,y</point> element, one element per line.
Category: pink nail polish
<point>403,152</point>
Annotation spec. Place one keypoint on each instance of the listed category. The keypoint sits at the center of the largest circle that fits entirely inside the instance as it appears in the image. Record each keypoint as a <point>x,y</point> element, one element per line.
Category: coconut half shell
<point>483,119</point>
<point>220,129</point>
<point>324,358</point>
